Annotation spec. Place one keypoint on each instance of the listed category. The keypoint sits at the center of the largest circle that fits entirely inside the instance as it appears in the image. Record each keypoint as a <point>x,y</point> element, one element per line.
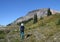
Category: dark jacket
<point>22,28</point>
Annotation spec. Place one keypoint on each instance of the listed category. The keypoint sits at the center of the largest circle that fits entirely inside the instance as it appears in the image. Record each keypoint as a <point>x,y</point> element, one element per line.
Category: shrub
<point>29,28</point>
<point>58,22</point>
<point>35,18</point>
<point>2,34</point>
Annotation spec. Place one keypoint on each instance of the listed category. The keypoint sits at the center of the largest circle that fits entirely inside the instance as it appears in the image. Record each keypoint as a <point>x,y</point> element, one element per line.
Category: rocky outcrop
<point>39,12</point>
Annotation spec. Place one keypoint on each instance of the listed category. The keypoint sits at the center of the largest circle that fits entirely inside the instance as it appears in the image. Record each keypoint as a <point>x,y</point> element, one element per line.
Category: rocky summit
<point>40,13</point>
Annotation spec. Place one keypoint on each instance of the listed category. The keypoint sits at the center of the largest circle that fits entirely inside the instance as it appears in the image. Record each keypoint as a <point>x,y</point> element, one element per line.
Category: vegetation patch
<point>2,34</point>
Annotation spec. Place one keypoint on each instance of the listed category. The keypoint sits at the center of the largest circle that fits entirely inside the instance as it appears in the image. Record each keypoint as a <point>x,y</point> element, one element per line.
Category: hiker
<point>22,31</point>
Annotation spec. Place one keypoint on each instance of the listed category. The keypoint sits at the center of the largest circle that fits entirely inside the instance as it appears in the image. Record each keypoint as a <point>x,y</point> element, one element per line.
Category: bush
<point>2,34</point>
<point>35,18</point>
<point>58,22</point>
<point>29,28</point>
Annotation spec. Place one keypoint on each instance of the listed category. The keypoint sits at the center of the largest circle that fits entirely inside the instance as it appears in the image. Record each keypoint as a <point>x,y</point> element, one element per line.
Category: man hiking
<point>22,31</point>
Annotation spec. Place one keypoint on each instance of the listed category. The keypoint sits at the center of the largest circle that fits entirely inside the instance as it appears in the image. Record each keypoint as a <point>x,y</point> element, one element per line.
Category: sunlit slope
<point>46,29</point>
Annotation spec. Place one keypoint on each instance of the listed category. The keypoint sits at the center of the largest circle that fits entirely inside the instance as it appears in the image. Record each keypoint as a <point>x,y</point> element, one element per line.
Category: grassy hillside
<point>48,26</point>
<point>46,21</point>
<point>45,30</point>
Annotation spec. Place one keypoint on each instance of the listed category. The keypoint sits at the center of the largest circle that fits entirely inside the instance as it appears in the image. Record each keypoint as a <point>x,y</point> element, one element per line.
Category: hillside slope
<point>45,30</point>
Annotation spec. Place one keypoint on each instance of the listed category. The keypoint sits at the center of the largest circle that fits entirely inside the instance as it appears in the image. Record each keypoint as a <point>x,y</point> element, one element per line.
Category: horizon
<point>10,10</point>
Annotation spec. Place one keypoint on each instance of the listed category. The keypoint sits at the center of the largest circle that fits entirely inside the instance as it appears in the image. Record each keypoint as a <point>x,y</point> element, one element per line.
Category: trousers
<point>22,35</point>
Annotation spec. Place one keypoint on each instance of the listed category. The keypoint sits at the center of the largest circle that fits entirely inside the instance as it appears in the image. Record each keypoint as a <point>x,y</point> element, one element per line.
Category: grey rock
<point>40,13</point>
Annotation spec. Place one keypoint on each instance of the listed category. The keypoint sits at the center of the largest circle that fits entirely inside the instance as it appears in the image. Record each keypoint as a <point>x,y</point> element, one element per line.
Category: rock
<point>39,12</point>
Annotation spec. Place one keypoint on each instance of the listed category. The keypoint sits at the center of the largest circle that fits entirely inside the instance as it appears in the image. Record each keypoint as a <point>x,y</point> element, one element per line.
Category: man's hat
<point>22,24</point>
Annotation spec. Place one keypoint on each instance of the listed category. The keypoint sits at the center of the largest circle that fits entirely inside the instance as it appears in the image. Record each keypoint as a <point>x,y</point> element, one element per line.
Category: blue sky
<point>10,10</point>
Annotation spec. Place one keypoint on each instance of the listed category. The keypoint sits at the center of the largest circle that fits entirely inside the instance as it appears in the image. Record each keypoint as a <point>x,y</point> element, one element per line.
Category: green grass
<point>51,20</point>
<point>2,34</point>
<point>48,26</point>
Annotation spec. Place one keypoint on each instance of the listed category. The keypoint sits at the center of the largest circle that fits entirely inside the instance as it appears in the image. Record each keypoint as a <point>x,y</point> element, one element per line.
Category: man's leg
<point>22,35</point>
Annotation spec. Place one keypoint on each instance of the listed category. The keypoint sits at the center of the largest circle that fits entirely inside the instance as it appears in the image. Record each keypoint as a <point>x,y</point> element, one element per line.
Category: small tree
<point>35,18</point>
<point>49,12</point>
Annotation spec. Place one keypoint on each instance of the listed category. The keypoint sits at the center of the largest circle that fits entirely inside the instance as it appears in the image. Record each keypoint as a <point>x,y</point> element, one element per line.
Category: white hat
<point>22,24</point>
